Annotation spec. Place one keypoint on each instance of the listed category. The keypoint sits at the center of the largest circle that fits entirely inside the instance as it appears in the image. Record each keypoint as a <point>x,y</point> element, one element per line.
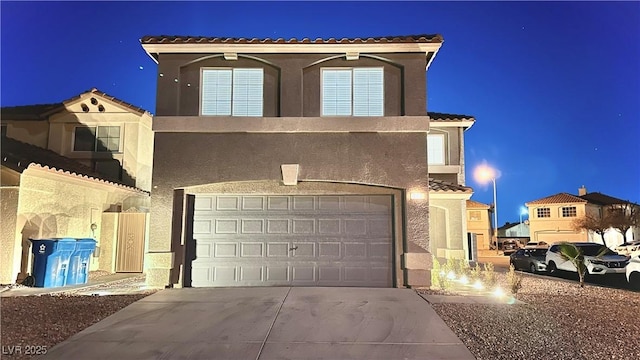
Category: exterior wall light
<point>416,195</point>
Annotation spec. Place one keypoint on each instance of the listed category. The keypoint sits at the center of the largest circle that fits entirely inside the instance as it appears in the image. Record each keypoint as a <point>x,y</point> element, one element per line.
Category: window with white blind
<point>353,92</point>
<point>234,92</point>
<point>436,149</point>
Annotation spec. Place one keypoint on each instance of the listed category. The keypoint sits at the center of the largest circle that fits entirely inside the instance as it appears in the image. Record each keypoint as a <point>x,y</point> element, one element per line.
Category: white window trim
<point>352,95</point>
<point>120,142</point>
<point>201,88</point>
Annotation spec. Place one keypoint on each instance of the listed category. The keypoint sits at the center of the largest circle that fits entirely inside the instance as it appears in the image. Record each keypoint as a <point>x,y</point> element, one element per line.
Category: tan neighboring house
<point>286,162</point>
<point>448,194</point>
<point>80,168</point>
<point>551,218</point>
<point>479,223</point>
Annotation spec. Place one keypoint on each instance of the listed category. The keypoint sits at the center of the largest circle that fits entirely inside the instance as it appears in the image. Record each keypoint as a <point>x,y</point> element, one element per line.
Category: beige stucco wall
<point>8,206</point>
<point>107,241</point>
<point>54,204</point>
<point>31,132</point>
<point>453,221</point>
<point>480,227</point>
<point>555,228</point>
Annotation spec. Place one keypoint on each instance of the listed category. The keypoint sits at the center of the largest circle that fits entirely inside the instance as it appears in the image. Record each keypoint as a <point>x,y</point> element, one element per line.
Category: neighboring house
<point>552,218</point>
<point>448,195</point>
<point>299,162</point>
<point>479,223</point>
<point>112,137</point>
<point>514,230</point>
<point>54,185</point>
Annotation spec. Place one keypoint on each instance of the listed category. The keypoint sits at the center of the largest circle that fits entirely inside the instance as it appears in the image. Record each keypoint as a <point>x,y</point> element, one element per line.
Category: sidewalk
<point>112,284</point>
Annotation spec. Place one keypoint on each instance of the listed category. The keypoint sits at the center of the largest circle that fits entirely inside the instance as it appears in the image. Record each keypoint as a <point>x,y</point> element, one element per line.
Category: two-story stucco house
<point>552,218</point>
<point>300,162</point>
<point>80,168</point>
<point>479,223</point>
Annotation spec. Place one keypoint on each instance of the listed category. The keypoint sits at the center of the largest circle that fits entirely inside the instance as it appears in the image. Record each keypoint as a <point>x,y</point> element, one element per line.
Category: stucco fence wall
<point>54,204</point>
<point>9,207</point>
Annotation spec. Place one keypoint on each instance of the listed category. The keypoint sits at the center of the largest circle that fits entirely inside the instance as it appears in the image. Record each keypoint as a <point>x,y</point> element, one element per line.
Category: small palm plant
<point>574,254</point>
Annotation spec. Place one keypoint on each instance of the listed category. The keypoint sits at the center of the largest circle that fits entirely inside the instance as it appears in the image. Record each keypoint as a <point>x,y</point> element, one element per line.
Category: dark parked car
<point>532,259</point>
<point>510,246</point>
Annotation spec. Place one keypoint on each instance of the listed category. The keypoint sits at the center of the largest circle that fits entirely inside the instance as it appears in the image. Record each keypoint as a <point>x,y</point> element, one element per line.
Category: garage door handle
<point>293,248</point>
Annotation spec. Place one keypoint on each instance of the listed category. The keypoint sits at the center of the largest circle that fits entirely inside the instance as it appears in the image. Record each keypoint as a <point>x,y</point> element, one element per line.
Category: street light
<point>523,211</point>
<point>483,174</point>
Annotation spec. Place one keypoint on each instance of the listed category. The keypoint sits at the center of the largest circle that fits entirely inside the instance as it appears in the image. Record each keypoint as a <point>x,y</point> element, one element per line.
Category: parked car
<point>608,262</point>
<point>536,244</point>
<point>633,272</point>
<point>531,259</point>
<point>629,248</point>
<point>510,246</point>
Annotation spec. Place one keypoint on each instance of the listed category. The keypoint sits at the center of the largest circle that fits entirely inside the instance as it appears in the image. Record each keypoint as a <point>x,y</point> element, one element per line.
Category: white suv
<point>633,272</point>
<point>608,263</point>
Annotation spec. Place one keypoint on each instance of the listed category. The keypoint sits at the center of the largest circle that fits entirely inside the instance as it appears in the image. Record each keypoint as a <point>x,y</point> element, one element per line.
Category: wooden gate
<point>130,247</point>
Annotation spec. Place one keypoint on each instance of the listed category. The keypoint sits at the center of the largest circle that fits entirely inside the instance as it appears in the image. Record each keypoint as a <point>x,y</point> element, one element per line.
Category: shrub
<point>463,268</point>
<point>475,273</point>
<point>514,280</point>
<point>489,275</point>
<point>435,274</point>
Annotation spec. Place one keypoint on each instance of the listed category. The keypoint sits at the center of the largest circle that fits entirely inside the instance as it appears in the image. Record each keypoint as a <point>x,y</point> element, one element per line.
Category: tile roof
<point>18,155</point>
<point>41,111</point>
<point>602,199</point>
<point>477,205</point>
<point>445,186</point>
<point>177,39</point>
<point>435,116</point>
<point>27,112</point>
<point>561,198</point>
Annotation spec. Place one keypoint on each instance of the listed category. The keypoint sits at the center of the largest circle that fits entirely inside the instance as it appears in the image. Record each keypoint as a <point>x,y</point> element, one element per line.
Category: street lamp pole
<point>495,213</point>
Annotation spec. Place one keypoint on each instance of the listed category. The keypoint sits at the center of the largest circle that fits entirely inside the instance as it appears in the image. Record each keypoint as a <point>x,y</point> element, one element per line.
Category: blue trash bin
<point>79,262</point>
<point>51,261</point>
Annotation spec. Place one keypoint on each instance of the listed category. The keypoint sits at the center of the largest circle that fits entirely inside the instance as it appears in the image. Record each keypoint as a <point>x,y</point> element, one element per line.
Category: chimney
<point>582,191</point>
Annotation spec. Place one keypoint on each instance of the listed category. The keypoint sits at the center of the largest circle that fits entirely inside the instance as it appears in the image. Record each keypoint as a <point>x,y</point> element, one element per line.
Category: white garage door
<point>253,240</point>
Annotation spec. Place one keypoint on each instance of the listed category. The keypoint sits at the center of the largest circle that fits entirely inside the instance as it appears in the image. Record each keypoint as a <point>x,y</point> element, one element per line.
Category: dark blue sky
<point>554,86</point>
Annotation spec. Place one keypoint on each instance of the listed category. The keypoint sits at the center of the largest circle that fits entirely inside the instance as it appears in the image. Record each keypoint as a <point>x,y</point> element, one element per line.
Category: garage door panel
<point>277,226</point>
<point>252,226</point>
<point>253,203</point>
<point>304,250</point>
<point>226,250</point>
<point>255,249</point>
<point>278,203</point>
<point>275,249</point>
<point>304,226</point>
<point>304,203</point>
<point>261,240</point>
<point>227,203</point>
<point>330,250</point>
<point>278,274</point>
<point>302,273</point>
<point>251,273</point>
<point>226,226</point>
<point>328,226</point>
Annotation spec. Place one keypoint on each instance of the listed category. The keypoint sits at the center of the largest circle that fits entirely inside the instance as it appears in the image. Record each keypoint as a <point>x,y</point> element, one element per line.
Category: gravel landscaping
<point>559,320</point>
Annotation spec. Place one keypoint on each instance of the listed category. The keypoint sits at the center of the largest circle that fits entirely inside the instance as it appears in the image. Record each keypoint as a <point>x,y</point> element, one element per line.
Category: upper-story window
<point>232,92</point>
<point>353,92</point>
<point>569,211</point>
<point>97,138</point>
<point>543,212</point>
<point>435,149</point>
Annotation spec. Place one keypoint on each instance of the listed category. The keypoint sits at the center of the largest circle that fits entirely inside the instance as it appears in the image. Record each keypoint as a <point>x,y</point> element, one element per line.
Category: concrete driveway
<point>269,323</point>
